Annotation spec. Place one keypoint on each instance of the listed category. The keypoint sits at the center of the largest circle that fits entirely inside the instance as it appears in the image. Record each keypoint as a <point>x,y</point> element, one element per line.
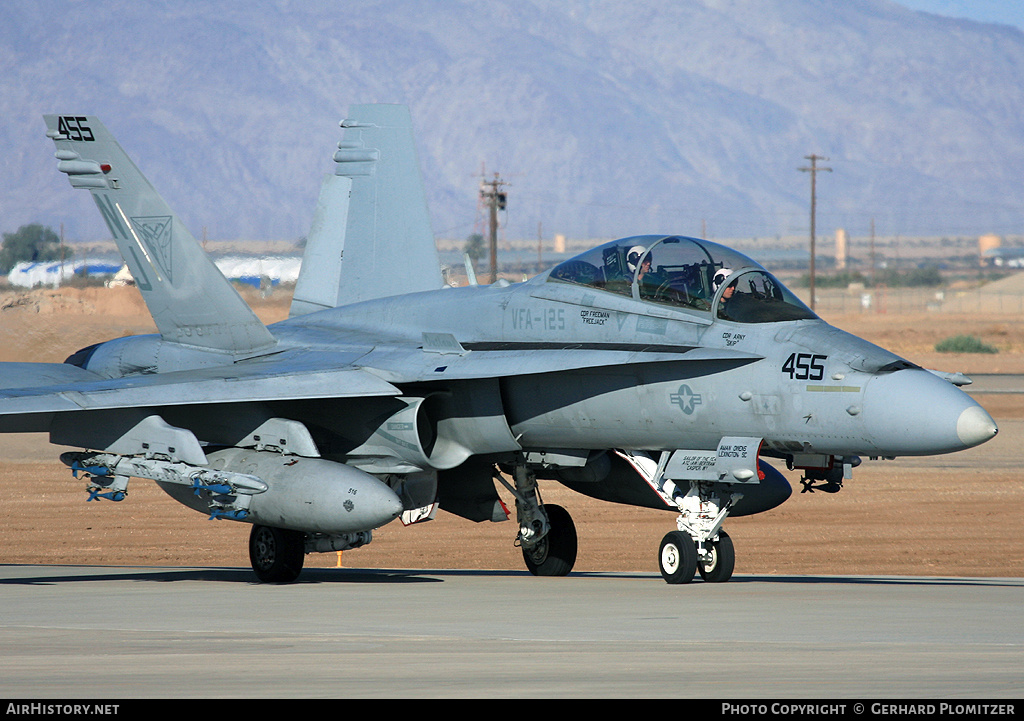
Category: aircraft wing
<point>286,375</point>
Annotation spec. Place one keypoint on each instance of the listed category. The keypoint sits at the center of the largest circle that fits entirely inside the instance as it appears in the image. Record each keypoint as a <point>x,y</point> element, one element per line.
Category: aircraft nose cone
<point>975,426</point>
<point>914,412</point>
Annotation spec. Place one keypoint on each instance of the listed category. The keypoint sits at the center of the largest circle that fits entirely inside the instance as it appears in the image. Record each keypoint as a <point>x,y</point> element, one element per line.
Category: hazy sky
<point>1008,12</point>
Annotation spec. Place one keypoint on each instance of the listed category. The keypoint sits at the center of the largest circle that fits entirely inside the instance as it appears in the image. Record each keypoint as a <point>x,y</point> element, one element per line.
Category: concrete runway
<point>995,383</point>
<point>125,633</point>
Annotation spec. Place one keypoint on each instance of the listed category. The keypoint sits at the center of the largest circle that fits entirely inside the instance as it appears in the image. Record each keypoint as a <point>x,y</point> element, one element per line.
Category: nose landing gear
<point>680,558</point>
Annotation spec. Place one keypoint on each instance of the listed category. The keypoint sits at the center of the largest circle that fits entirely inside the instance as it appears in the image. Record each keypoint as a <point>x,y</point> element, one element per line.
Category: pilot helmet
<point>720,277</point>
<point>633,257</point>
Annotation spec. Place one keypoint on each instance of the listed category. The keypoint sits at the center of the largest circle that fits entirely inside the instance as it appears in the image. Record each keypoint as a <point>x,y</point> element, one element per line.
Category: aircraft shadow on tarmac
<point>402,576</point>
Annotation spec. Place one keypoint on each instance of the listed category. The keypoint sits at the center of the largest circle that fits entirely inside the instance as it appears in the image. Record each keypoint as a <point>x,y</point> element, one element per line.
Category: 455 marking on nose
<point>805,366</point>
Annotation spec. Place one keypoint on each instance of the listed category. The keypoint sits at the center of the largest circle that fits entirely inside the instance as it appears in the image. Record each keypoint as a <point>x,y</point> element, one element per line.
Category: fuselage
<point>573,359</point>
<point>683,377</point>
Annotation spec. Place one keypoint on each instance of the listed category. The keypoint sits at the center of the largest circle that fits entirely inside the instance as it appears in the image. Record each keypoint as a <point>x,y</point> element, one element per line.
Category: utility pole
<point>872,273</point>
<point>494,197</point>
<point>813,170</point>
<point>540,247</point>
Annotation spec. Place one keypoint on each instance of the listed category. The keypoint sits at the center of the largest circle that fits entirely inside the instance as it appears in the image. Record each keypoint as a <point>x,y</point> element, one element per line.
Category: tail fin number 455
<point>74,128</point>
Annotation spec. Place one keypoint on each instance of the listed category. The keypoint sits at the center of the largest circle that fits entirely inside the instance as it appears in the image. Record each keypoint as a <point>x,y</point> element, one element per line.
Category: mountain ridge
<point>605,118</point>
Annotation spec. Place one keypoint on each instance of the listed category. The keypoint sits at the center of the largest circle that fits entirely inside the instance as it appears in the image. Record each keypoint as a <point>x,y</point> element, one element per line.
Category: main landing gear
<point>276,554</point>
<point>555,553</point>
<point>547,535</point>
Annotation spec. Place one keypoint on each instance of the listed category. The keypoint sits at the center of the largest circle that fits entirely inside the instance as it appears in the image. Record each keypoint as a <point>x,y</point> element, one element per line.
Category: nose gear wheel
<point>678,557</point>
<point>718,564</point>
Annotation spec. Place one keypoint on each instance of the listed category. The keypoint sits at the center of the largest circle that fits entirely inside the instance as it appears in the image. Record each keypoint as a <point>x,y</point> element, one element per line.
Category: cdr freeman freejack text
<point>874,709</point>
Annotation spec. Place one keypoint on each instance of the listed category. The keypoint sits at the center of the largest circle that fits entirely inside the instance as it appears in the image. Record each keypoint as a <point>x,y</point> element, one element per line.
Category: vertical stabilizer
<point>190,300</point>
<point>384,230</point>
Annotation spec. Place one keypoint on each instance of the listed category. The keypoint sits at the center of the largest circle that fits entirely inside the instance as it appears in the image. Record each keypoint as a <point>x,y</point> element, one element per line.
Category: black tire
<point>555,554</point>
<point>723,560</point>
<point>677,558</point>
<point>276,554</point>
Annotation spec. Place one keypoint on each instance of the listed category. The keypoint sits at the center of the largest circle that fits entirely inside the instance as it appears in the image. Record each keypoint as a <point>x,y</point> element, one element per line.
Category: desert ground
<point>958,515</point>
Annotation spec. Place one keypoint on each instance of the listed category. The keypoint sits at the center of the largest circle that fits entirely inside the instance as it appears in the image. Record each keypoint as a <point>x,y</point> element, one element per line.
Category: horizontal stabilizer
<point>34,375</point>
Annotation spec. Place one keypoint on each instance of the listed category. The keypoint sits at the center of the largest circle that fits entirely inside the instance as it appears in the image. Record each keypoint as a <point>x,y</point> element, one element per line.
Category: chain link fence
<point>914,300</point>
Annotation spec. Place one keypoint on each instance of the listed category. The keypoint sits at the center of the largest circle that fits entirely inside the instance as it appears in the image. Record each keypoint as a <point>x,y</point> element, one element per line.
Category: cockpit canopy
<point>690,274</point>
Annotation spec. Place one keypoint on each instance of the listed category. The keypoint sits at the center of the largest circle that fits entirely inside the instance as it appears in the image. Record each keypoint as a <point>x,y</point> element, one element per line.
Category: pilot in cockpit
<point>633,256</point>
<point>720,277</point>
<point>647,280</point>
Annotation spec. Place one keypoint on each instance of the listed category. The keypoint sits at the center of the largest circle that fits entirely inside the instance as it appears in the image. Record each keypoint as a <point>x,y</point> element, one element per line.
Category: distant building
<point>257,271</point>
<point>989,247</point>
<point>842,249</point>
<point>55,273</point>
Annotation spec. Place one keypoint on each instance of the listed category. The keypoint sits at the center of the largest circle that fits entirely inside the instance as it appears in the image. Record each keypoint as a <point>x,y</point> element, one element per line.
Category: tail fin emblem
<point>155,232</point>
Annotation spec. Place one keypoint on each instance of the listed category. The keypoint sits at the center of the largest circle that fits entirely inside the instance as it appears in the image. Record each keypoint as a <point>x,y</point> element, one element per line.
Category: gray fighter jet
<point>659,370</point>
